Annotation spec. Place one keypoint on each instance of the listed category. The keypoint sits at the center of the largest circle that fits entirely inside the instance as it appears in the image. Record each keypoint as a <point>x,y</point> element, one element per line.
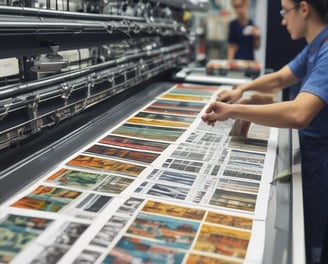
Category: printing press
<point>71,70</point>
<point>62,57</point>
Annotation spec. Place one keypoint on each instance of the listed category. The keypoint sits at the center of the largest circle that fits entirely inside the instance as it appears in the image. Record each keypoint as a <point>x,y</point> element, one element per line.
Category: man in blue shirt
<point>308,111</point>
<point>243,35</point>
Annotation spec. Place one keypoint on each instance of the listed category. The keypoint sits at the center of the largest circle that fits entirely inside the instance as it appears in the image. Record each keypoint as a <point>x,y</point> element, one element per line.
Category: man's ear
<point>304,8</point>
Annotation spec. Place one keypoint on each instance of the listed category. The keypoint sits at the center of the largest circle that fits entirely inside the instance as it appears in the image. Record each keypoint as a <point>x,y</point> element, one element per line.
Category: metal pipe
<point>27,11</point>
<point>5,10</point>
<point>12,90</point>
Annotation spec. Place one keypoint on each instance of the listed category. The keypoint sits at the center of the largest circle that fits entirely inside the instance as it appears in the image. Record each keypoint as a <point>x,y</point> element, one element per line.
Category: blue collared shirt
<point>311,68</point>
<point>245,44</point>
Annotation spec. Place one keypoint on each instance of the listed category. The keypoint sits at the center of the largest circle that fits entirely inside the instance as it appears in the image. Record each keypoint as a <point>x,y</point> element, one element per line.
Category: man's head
<point>320,6</point>
<point>303,16</point>
<point>240,7</point>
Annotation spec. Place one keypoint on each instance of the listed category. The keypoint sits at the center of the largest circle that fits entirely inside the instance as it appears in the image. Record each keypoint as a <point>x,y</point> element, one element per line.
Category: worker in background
<point>243,35</point>
<point>307,112</point>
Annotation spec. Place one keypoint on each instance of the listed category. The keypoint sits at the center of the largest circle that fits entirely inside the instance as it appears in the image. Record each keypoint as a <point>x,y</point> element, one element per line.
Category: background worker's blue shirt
<point>311,68</point>
<point>245,43</point>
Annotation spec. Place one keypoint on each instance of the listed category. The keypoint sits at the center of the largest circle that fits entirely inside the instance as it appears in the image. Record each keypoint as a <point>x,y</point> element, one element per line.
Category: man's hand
<point>230,96</point>
<point>216,111</point>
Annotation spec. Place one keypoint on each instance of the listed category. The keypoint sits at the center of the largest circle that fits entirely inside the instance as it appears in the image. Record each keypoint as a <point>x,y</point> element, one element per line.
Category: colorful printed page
<point>160,187</point>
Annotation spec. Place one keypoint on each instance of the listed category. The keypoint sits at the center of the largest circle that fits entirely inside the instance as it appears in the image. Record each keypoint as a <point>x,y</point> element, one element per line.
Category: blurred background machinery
<point>59,57</point>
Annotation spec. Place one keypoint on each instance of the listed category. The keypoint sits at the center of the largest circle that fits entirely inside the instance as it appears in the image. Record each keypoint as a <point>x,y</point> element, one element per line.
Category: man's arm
<point>256,37</point>
<point>232,49</point>
<point>270,83</point>
<point>297,113</point>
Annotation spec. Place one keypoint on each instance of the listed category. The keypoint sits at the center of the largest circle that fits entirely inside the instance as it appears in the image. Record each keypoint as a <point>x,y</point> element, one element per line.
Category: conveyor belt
<point>25,163</point>
<point>198,75</point>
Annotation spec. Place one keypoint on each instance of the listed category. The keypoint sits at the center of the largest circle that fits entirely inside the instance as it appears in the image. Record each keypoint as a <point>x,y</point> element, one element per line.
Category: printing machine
<point>59,58</point>
<point>71,69</point>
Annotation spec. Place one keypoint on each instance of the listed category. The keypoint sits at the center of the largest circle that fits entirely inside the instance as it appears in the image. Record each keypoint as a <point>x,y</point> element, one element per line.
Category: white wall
<point>261,21</point>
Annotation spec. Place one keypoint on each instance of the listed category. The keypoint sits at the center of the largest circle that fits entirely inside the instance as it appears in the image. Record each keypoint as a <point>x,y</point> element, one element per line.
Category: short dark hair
<point>321,6</point>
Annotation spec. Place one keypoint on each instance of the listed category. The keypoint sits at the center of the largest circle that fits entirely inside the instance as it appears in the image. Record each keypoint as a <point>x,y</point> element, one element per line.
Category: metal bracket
<point>67,90</point>
<point>33,106</point>
<point>5,112</point>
